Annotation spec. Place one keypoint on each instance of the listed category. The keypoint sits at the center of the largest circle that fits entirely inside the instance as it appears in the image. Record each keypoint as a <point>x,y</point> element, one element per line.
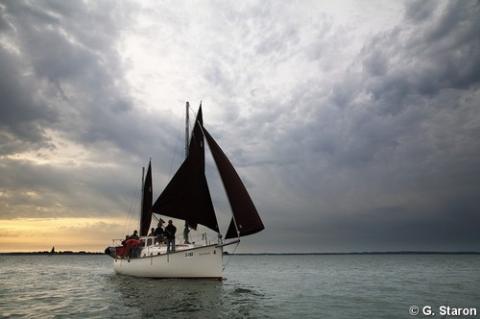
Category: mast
<point>187,133</point>
<point>187,129</point>
<point>141,201</point>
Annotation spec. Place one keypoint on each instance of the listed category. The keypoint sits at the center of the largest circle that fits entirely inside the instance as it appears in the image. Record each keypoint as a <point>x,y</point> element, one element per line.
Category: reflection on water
<point>149,298</point>
<point>153,297</point>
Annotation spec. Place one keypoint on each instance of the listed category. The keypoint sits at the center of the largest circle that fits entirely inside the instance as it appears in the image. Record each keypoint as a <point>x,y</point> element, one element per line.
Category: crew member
<point>170,231</point>
<point>186,230</point>
<point>135,235</point>
<point>152,232</point>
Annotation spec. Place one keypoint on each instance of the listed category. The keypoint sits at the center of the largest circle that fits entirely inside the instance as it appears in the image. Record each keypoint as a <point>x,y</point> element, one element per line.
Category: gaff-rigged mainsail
<point>245,215</point>
<point>146,216</point>
<point>187,196</point>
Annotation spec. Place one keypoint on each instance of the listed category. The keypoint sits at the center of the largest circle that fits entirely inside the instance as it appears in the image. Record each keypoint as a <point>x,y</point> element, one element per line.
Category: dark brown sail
<point>232,230</point>
<point>244,211</point>
<point>146,216</point>
<point>187,196</point>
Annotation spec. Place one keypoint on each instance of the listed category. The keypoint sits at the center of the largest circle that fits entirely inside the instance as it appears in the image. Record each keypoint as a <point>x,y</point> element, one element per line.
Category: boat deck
<point>161,249</point>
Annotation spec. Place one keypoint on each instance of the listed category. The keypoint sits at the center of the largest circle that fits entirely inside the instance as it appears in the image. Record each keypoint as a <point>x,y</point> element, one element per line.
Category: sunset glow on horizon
<point>73,234</point>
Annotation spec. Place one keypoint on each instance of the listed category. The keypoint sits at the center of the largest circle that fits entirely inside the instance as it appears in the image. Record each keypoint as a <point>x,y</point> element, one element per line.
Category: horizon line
<point>393,252</point>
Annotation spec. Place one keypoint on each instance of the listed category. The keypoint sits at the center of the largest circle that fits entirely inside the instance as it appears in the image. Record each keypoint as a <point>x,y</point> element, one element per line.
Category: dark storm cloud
<point>426,56</point>
<point>71,55</point>
<point>385,157</point>
<point>65,75</point>
<point>23,113</point>
<point>427,96</point>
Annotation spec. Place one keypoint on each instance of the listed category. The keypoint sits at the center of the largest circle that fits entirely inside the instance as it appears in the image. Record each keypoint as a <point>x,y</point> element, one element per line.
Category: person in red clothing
<point>121,251</point>
<point>132,247</point>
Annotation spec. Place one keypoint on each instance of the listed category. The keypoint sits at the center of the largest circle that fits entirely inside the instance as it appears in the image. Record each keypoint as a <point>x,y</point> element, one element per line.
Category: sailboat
<point>187,197</point>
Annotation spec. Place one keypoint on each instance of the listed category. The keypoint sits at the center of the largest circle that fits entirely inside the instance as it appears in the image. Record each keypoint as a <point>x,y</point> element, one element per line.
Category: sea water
<point>321,286</point>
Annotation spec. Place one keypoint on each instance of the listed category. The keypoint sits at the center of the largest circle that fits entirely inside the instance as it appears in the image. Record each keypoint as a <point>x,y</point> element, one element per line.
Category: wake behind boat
<point>187,197</point>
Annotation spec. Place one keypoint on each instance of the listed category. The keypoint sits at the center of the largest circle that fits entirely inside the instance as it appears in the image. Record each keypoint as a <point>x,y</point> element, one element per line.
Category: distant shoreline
<point>55,253</point>
<point>275,254</point>
<point>364,253</point>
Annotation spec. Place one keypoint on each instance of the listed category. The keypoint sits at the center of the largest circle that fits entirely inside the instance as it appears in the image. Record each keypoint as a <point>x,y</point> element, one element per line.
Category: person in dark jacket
<point>152,232</point>
<point>186,231</point>
<point>170,231</point>
<point>135,235</point>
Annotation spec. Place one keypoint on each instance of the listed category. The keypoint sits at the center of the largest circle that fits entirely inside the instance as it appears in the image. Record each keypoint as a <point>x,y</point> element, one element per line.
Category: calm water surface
<point>348,286</point>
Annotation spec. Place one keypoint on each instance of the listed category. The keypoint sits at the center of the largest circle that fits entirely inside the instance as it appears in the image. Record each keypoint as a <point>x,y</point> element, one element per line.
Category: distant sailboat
<point>187,197</point>
<point>53,250</point>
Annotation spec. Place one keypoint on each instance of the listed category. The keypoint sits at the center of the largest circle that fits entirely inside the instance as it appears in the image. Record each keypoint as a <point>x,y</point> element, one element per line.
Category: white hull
<point>199,262</point>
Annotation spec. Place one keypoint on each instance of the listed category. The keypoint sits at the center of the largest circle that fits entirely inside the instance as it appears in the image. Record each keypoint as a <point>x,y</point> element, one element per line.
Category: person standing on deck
<point>170,231</point>
<point>135,235</point>
<point>159,232</point>
<point>186,230</point>
<point>152,232</point>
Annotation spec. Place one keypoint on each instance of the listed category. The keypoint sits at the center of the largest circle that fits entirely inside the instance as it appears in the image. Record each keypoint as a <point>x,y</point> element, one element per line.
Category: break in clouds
<point>355,126</point>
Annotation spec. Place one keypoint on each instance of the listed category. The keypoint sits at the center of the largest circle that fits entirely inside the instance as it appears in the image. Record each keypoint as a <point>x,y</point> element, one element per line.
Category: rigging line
<point>130,212</point>
<point>190,109</point>
<point>127,217</point>
<point>157,218</point>
<point>230,255</point>
<point>174,156</point>
<point>194,121</point>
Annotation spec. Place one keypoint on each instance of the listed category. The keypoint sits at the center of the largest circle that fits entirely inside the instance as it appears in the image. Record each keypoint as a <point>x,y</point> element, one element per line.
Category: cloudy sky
<point>354,124</point>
